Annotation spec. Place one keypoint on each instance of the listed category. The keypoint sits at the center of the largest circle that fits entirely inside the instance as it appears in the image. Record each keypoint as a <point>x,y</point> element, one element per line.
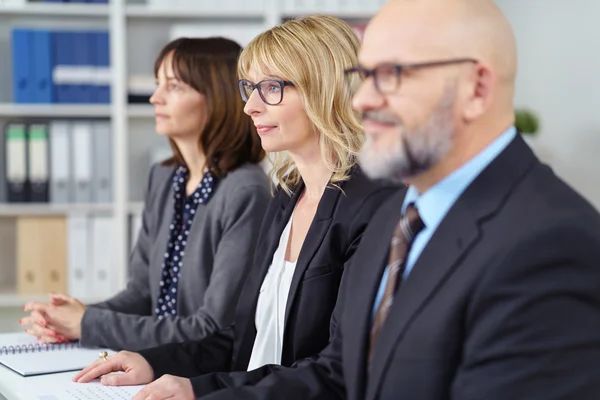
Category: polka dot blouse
<point>183,216</point>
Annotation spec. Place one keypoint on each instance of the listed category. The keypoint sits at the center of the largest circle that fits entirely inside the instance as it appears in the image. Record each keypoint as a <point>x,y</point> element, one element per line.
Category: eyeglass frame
<point>398,68</point>
<point>256,86</point>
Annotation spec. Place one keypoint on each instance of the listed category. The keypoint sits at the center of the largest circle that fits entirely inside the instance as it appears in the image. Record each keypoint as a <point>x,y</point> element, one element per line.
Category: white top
<point>270,310</point>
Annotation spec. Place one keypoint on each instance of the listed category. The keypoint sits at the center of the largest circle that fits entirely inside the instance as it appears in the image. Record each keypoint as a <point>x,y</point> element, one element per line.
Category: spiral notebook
<point>22,354</point>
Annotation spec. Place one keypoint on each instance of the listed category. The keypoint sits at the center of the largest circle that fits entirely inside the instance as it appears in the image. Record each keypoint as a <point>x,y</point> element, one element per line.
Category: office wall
<point>559,77</point>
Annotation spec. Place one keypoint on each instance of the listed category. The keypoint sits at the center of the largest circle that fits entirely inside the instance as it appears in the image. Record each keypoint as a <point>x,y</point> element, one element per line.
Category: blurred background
<point>77,133</point>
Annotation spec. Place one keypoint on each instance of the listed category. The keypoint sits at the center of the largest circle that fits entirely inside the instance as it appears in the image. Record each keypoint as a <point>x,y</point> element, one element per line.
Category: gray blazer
<point>218,256</point>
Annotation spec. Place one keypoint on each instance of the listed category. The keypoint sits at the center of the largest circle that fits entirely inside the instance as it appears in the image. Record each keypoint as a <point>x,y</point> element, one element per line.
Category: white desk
<point>58,387</point>
<point>14,386</point>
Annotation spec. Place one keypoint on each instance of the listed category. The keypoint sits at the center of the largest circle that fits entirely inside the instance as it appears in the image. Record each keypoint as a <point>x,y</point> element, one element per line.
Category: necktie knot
<point>411,222</point>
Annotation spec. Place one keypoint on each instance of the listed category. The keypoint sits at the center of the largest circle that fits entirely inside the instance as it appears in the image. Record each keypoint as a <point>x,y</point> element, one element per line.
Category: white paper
<point>82,391</point>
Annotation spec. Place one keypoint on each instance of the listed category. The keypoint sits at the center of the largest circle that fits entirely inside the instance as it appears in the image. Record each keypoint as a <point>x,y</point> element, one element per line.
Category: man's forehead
<point>383,49</point>
<point>401,42</point>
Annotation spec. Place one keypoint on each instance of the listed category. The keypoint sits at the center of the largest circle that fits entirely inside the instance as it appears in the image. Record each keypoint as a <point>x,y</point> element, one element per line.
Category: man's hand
<point>167,387</point>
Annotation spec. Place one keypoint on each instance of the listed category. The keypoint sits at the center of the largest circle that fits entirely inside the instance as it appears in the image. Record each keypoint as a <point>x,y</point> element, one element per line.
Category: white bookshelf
<point>55,110</point>
<point>56,10</point>
<point>140,111</point>
<point>143,11</point>
<point>137,32</point>
<point>41,209</point>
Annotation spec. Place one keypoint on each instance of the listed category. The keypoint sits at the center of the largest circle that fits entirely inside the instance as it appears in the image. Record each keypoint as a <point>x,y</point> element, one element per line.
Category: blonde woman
<point>295,91</point>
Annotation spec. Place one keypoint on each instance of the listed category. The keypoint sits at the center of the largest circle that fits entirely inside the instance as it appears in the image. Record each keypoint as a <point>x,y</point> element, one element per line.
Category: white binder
<point>81,136</point>
<point>61,179</point>
<point>102,170</point>
<point>80,260</point>
<point>104,275</point>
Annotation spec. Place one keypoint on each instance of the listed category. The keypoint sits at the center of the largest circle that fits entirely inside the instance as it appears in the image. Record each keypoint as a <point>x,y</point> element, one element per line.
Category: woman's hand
<point>136,370</point>
<point>58,321</point>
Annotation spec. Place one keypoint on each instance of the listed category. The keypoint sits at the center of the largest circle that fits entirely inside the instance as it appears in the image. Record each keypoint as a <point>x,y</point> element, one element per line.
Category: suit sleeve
<point>534,329</point>
<point>135,299</point>
<point>192,358</point>
<point>268,374</point>
<point>242,217</point>
<point>317,378</point>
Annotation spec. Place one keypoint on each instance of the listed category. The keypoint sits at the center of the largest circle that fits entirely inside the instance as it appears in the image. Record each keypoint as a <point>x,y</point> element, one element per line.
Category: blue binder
<point>23,68</point>
<point>102,60</point>
<point>63,56</point>
<point>83,57</point>
<point>42,60</point>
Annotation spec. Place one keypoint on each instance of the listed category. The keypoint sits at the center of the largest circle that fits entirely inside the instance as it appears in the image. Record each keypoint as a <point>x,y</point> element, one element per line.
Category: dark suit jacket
<point>336,230</point>
<point>503,302</point>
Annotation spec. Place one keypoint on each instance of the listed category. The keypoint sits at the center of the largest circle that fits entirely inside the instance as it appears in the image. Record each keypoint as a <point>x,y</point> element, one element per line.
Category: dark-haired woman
<point>202,215</point>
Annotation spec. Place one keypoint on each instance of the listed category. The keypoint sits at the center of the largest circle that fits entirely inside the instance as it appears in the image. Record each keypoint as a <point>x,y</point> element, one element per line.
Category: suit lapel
<point>314,238</point>
<point>437,260</point>
<point>162,238</point>
<point>245,315</point>
<point>458,232</point>
<point>368,266</point>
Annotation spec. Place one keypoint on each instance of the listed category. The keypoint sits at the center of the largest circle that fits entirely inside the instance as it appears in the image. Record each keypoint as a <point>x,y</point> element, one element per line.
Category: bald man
<point>482,281</point>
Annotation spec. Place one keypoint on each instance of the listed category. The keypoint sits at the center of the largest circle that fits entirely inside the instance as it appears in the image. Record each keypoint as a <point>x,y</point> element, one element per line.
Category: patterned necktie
<point>408,227</point>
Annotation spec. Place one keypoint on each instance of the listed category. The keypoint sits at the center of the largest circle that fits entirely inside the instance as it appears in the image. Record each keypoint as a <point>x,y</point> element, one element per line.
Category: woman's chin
<point>270,147</point>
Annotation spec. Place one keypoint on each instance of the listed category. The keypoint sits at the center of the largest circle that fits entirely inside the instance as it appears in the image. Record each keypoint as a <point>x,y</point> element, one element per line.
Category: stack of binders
<point>60,66</point>
<point>59,161</point>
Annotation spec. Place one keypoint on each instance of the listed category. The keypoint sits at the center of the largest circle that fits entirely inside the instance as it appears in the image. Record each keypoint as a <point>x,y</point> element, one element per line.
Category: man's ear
<point>479,91</point>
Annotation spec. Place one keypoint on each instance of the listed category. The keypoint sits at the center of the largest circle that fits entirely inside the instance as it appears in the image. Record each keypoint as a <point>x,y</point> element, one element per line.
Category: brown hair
<point>209,65</point>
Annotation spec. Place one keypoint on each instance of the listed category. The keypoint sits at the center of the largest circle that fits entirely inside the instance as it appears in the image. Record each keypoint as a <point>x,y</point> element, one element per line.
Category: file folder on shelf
<point>42,66</point>
<point>103,257</point>
<point>38,170</point>
<point>81,139</point>
<point>101,61</point>
<point>61,171</point>
<point>83,53</point>
<point>80,260</point>
<point>41,254</point>
<point>102,169</point>
<point>16,162</point>
<point>22,65</point>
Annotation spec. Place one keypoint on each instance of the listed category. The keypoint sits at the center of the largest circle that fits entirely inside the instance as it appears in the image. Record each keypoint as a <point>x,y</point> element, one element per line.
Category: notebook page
<point>16,339</point>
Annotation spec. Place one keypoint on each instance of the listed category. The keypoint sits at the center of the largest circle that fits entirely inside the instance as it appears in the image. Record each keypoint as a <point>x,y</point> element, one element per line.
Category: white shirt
<point>270,310</point>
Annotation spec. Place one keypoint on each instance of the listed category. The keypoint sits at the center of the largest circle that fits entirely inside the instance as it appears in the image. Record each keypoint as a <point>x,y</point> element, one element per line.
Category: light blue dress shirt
<point>435,203</point>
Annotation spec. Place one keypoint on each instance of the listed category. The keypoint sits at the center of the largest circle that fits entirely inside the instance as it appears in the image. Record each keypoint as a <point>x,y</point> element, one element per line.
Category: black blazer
<point>503,302</point>
<point>341,217</point>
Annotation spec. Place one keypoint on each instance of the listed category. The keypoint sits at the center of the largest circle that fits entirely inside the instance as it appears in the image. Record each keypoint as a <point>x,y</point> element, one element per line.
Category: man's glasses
<point>387,76</point>
<point>269,90</point>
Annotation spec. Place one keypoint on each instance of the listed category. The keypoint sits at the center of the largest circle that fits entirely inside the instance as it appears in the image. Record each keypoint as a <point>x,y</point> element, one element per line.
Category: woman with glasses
<point>203,211</point>
<point>295,91</point>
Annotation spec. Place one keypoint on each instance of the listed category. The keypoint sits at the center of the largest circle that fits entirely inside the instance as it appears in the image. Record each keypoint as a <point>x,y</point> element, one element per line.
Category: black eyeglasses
<point>387,76</point>
<point>269,90</point>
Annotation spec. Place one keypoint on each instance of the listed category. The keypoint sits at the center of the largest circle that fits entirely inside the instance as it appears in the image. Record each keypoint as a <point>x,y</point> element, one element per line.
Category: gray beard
<point>414,152</point>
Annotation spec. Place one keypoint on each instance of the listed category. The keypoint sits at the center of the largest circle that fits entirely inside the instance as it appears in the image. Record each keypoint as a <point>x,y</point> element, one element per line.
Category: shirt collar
<point>435,202</point>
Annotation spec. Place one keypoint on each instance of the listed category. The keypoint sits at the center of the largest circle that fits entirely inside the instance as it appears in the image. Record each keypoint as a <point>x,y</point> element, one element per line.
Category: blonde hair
<point>312,52</point>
